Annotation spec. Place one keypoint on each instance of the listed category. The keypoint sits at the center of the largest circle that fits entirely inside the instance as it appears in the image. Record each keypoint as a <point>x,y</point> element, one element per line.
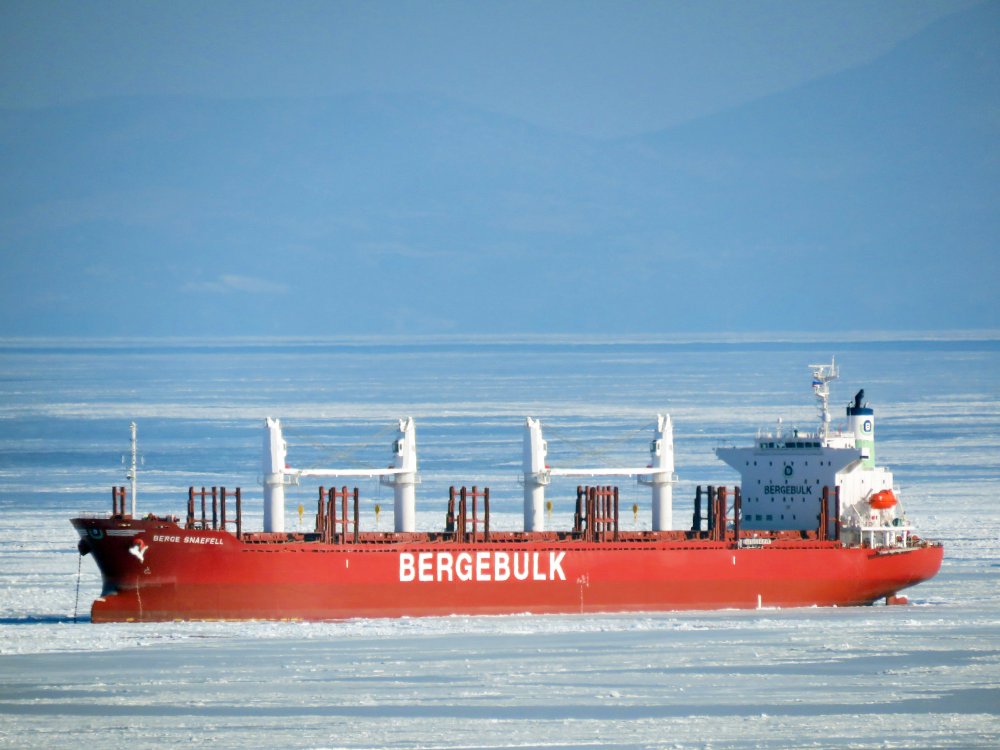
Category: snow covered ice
<point>886,677</point>
<point>927,675</point>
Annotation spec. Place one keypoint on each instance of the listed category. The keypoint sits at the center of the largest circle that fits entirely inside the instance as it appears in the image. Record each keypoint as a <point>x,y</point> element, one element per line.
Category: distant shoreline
<point>849,339</point>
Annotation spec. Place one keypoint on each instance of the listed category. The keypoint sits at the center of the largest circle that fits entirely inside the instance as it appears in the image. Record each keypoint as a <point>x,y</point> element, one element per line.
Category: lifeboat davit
<point>883,500</point>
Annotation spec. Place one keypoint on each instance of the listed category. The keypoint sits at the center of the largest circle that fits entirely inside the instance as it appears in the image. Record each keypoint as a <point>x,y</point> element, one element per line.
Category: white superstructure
<point>784,472</point>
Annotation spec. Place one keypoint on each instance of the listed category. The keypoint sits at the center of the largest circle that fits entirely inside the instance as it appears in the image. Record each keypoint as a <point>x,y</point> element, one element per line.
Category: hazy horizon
<point>405,169</point>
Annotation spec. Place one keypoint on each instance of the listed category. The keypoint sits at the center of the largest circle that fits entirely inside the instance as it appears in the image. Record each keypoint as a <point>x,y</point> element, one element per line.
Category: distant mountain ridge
<point>379,213</point>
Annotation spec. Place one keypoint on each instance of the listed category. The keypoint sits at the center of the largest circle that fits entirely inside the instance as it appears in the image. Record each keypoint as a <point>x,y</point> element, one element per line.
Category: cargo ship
<point>814,522</point>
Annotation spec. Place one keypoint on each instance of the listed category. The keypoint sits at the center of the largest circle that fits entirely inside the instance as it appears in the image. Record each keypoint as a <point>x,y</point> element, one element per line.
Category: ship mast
<point>131,473</point>
<point>822,375</point>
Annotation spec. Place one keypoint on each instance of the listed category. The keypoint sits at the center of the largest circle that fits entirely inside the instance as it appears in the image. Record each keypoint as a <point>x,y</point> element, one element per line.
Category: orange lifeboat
<point>882,500</point>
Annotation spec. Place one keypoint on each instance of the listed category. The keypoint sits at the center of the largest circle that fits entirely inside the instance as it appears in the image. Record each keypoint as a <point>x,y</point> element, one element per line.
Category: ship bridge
<point>783,473</point>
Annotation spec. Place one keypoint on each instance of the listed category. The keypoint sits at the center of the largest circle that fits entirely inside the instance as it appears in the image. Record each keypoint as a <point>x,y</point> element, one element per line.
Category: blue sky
<point>452,167</point>
<point>597,68</point>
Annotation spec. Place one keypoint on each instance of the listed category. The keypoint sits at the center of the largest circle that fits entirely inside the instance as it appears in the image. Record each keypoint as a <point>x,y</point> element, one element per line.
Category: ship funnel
<point>274,476</point>
<point>535,477</point>
<point>861,421</point>
<point>661,451</point>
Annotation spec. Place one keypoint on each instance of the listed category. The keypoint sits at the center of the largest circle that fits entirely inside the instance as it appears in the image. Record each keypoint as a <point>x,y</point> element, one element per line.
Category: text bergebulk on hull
<point>481,566</point>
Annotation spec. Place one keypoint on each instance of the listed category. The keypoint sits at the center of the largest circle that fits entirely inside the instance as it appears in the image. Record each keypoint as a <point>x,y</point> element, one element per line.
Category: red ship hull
<point>155,570</point>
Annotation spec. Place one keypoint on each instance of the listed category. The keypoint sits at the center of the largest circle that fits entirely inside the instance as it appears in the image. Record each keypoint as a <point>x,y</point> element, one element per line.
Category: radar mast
<point>822,375</point>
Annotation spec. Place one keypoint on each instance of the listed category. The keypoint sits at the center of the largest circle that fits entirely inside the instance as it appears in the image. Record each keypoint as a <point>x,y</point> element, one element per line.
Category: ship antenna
<point>822,375</point>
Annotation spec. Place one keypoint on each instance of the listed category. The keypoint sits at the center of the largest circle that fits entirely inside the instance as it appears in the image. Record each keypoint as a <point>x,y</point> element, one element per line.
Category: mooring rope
<point>76,604</point>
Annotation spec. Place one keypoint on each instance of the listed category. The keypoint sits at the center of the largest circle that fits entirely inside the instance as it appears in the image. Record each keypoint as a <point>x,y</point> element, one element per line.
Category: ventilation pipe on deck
<point>535,476</point>
<point>274,476</point>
